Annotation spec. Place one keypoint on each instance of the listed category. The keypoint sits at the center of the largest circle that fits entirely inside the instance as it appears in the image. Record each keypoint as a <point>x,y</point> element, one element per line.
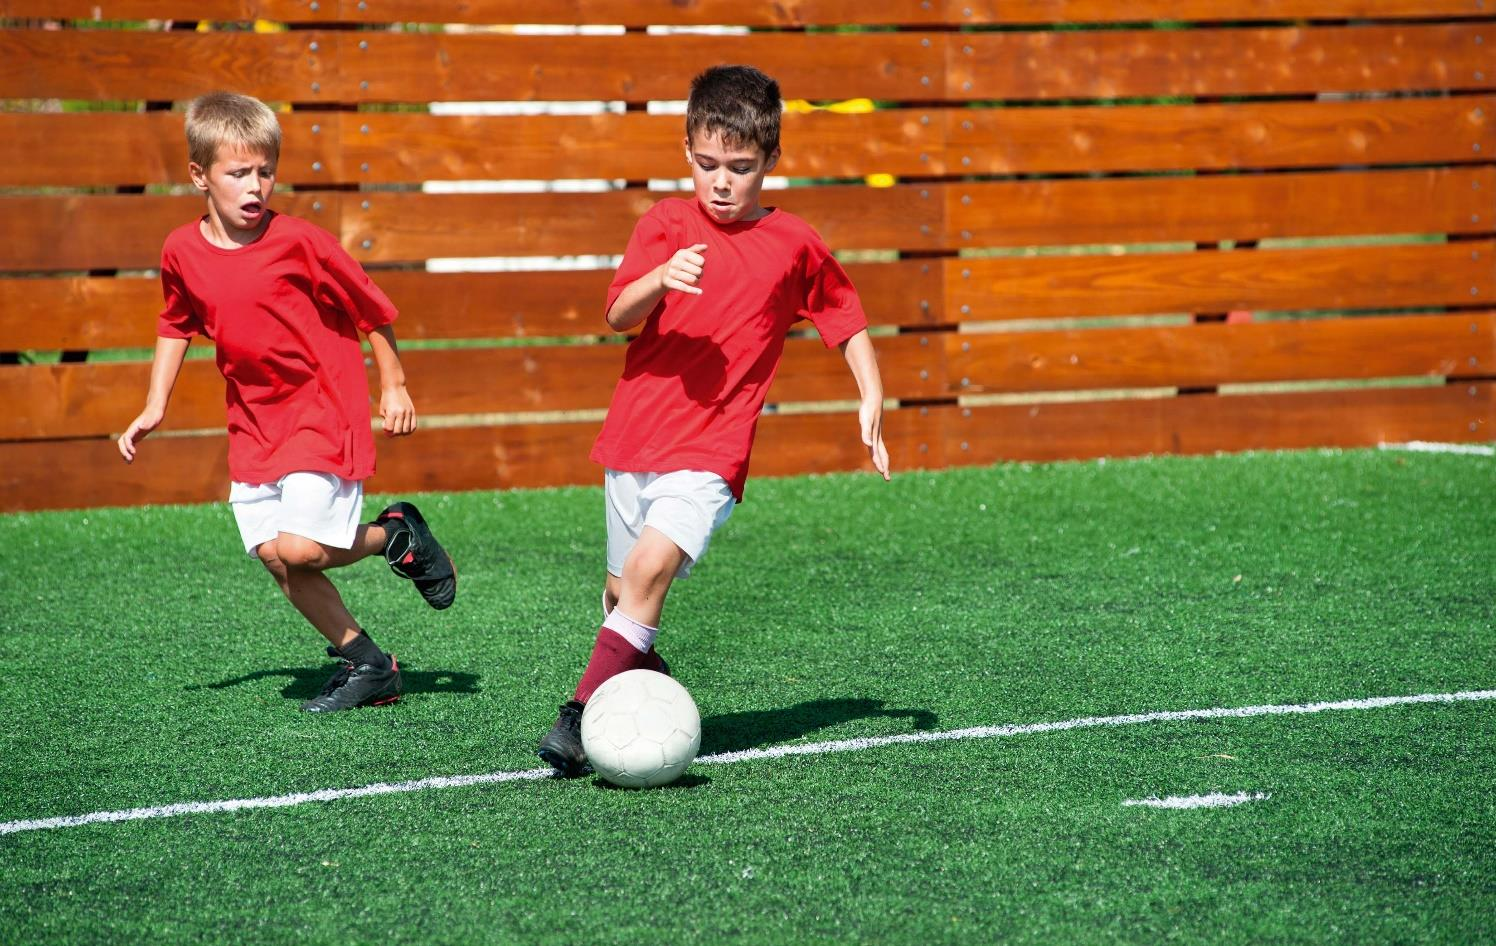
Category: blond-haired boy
<point>283,303</point>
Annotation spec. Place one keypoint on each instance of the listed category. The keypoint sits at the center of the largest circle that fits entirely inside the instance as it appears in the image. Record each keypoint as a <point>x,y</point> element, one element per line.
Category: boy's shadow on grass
<point>306,682</point>
<point>734,732</point>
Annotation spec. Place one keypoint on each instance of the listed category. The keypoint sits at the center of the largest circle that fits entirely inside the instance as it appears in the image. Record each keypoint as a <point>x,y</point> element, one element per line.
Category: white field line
<point>1425,446</point>
<point>720,758</point>
<point>1213,800</point>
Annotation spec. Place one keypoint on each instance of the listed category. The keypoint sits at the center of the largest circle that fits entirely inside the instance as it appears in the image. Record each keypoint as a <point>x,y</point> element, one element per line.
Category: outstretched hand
<point>684,268</point>
<point>870,416</point>
<point>128,441</point>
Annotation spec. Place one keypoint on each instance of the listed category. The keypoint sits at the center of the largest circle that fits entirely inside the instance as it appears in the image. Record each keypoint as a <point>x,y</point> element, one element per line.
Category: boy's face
<point>728,179</point>
<point>238,184</point>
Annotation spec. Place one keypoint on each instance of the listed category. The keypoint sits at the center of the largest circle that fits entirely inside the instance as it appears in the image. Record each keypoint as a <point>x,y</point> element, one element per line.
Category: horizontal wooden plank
<point>1219,207</point>
<point>375,66</point>
<point>1197,424</point>
<point>1211,354</point>
<point>79,149</point>
<point>322,66</point>
<point>1217,137</point>
<point>1139,11</point>
<point>125,231</point>
<point>82,312</point>
<point>114,148</point>
<point>64,474</point>
<point>113,65</point>
<point>396,227</point>
<point>635,146</point>
<point>82,232</point>
<point>1347,277</point>
<point>703,12</point>
<point>1104,64</point>
<point>67,474</point>
<point>625,12</point>
<point>99,398</point>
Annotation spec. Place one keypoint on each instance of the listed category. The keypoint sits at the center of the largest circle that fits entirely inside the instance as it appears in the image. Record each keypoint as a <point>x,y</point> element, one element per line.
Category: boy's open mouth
<point>252,209</point>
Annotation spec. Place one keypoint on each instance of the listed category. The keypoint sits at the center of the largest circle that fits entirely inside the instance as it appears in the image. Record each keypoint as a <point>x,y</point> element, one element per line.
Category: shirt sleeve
<point>343,285</point>
<point>649,246</point>
<point>177,319</point>
<point>831,303</point>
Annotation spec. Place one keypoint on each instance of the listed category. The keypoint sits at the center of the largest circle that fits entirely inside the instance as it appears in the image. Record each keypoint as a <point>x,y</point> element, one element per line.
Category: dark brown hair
<point>737,102</point>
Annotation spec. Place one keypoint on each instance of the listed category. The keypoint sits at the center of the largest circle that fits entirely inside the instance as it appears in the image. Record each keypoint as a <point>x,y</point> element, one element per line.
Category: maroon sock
<point>611,655</point>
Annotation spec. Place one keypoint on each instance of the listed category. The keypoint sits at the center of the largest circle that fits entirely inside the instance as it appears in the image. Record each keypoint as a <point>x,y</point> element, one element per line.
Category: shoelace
<point>339,677</point>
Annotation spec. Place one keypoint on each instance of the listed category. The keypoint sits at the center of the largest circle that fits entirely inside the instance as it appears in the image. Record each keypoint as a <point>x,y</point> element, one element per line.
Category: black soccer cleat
<point>562,746</point>
<point>353,686</point>
<point>413,552</point>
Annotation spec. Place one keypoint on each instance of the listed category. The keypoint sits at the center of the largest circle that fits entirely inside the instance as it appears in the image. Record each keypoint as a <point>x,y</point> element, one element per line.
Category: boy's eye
<point>742,170</point>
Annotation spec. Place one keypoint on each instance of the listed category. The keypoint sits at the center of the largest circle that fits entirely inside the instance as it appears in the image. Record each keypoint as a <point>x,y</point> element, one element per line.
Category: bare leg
<point>647,574</point>
<point>612,588</point>
<point>303,561</point>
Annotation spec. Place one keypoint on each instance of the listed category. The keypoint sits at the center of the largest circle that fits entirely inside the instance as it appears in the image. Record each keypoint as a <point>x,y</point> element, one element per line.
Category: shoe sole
<point>561,763</point>
<point>406,515</point>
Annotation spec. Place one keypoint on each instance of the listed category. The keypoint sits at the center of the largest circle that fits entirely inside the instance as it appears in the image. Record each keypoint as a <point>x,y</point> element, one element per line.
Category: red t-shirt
<point>695,379</point>
<point>284,313</point>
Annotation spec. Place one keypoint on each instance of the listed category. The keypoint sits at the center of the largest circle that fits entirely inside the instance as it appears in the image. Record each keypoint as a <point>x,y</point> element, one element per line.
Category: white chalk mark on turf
<point>1213,800</point>
<point>721,758</point>
<point>1425,446</point>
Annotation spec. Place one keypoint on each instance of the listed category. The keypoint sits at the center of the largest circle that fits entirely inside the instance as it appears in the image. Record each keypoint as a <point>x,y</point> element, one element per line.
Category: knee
<point>651,567</point>
<point>299,554</point>
<point>271,560</point>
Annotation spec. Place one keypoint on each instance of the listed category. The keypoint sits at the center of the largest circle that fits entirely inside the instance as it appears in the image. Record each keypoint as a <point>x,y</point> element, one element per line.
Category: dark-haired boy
<point>712,285</point>
<point>284,302</point>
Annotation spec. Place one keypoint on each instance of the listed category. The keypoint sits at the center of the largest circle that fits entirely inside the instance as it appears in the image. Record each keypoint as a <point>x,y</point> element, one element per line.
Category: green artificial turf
<point>147,661</point>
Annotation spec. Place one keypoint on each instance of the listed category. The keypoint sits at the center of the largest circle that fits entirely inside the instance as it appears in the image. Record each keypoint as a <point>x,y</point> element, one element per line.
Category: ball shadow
<point>734,732</point>
<point>688,780</point>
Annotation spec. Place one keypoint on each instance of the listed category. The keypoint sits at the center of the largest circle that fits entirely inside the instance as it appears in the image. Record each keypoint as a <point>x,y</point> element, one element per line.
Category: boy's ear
<point>686,143</point>
<point>199,175</point>
<point>772,160</point>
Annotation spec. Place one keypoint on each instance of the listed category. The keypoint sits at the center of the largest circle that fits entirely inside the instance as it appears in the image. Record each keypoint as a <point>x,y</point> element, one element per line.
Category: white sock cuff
<point>642,636</point>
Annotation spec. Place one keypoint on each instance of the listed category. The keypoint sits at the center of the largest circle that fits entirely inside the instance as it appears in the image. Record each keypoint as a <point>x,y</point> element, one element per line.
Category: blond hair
<point>220,118</point>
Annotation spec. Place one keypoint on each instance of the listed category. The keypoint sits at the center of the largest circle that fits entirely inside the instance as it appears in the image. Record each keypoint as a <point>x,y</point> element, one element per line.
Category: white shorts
<point>320,506</point>
<point>687,506</point>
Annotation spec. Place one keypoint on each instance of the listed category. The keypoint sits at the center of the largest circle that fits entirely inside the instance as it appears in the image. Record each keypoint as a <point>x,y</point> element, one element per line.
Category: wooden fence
<point>1108,228</point>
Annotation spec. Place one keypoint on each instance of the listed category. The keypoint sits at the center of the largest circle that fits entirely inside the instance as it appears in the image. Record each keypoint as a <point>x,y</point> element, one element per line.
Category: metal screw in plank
<point>965,310</point>
<point>313,46</point>
<point>364,205</point>
<point>368,243</point>
<point>363,44</point>
<point>363,129</point>
<point>316,206</point>
<point>316,129</point>
<point>364,167</point>
<point>364,85</point>
<point>316,87</point>
<point>316,165</point>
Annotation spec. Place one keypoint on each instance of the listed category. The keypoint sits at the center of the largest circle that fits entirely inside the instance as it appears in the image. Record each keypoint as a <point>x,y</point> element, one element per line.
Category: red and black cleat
<point>413,552</point>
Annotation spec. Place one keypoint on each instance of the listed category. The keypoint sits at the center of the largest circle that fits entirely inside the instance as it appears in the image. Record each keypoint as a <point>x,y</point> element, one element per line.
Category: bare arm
<point>858,350</point>
<point>395,406</point>
<point>165,366</point>
<point>639,297</point>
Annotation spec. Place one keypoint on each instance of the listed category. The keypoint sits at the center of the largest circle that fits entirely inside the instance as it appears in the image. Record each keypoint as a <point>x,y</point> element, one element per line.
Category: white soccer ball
<point>640,729</point>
